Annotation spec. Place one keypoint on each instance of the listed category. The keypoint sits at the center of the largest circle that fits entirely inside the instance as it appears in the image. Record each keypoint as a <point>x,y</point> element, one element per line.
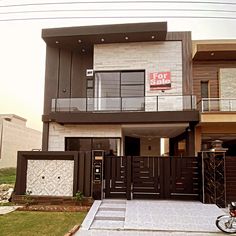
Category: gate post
<point>107,168</point>
<point>128,181</point>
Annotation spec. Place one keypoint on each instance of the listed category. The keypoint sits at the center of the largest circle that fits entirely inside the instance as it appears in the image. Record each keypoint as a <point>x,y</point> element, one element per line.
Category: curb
<point>73,230</point>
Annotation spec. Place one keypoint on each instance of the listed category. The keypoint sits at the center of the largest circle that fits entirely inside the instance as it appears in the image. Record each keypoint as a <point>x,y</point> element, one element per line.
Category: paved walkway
<point>7,209</point>
<point>147,217</point>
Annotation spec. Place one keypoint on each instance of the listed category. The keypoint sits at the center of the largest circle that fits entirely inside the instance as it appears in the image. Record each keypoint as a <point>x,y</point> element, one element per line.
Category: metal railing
<point>218,105</point>
<point>119,104</point>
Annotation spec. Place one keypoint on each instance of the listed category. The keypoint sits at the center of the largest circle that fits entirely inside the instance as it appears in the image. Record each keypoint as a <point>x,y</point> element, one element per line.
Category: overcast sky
<point>22,51</point>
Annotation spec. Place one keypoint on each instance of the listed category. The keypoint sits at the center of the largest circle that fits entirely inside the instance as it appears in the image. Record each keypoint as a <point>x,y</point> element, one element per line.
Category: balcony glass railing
<point>119,104</point>
<point>218,105</point>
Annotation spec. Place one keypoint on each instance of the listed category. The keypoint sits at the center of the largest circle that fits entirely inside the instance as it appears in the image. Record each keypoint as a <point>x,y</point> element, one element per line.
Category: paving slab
<point>171,215</point>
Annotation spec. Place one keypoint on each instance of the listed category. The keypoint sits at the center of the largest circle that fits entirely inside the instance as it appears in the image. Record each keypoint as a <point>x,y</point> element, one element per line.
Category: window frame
<point>120,84</point>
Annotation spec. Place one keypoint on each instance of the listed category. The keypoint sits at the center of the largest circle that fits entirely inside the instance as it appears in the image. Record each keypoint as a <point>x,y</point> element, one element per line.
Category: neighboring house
<point>214,73</point>
<point>121,114</point>
<point>15,136</point>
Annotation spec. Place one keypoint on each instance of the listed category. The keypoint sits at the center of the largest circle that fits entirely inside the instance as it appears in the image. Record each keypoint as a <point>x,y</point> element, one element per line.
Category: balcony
<point>217,105</point>
<point>125,104</point>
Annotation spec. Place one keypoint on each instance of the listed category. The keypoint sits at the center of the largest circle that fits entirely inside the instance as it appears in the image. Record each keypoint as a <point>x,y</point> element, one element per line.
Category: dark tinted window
<point>132,78</point>
<point>107,84</point>
<point>132,91</point>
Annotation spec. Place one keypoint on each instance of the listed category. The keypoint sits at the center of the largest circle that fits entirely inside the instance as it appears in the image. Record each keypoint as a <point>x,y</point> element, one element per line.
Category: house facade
<point>127,109</point>
<point>121,87</point>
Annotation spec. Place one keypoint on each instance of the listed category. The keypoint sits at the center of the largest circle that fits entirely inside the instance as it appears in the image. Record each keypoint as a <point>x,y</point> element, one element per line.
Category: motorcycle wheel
<point>223,224</point>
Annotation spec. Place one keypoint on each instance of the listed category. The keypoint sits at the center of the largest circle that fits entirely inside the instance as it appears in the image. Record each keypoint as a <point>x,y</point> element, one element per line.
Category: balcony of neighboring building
<point>217,109</point>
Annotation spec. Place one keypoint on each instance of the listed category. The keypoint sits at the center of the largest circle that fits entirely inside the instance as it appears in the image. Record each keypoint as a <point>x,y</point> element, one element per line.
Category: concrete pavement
<point>150,217</point>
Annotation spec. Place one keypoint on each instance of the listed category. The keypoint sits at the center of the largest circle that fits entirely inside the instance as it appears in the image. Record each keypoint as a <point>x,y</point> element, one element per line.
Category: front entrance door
<point>132,146</point>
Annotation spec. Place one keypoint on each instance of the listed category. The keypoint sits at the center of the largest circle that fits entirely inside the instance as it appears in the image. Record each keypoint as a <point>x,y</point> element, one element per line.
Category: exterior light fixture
<point>79,41</point>
<point>83,50</point>
<point>153,37</point>
<point>57,42</point>
<point>126,38</point>
<point>212,53</point>
<point>102,39</point>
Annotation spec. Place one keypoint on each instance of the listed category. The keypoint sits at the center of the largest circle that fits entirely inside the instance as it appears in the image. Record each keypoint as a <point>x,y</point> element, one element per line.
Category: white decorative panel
<point>50,177</point>
<point>227,77</point>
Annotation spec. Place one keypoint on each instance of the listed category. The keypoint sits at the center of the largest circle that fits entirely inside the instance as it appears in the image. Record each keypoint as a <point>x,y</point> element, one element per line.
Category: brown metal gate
<point>152,177</point>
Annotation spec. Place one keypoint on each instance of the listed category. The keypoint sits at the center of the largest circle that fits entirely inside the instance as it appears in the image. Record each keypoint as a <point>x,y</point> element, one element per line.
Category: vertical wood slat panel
<point>80,63</point>
<point>185,37</point>
<point>64,74</point>
<point>87,176</point>
<point>76,174</point>
<point>78,82</point>
<point>81,172</point>
<point>51,78</point>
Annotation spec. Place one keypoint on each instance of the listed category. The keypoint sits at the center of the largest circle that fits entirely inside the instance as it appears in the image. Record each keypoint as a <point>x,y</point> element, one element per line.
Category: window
<point>204,89</point>
<point>89,144</point>
<point>107,84</point>
<point>125,90</point>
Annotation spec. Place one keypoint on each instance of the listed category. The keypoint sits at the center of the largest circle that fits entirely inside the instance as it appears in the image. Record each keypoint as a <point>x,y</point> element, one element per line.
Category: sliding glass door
<point>117,91</point>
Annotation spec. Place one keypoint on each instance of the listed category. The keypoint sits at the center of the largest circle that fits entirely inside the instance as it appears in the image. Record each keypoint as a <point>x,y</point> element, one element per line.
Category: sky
<point>22,50</point>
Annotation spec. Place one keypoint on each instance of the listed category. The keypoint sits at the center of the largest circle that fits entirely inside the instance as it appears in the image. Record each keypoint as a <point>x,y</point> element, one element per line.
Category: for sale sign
<point>160,81</point>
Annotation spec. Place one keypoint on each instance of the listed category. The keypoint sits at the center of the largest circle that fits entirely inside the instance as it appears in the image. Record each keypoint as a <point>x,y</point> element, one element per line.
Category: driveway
<point>150,217</point>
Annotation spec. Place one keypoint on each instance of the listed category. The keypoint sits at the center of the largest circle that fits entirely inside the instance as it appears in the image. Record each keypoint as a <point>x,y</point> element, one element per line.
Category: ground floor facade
<point>156,139</point>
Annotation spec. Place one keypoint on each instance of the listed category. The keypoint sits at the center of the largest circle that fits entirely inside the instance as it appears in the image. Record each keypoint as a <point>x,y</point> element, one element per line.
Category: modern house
<point>119,87</point>
<point>15,136</point>
<point>121,112</point>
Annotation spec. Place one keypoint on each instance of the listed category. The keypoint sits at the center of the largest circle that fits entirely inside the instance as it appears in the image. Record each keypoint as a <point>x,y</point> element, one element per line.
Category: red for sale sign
<point>160,81</point>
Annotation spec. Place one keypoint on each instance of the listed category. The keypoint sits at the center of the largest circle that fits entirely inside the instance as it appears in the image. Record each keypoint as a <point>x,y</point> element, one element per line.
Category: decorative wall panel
<point>226,77</point>
<point>214,178</point>
<point>50,177</point>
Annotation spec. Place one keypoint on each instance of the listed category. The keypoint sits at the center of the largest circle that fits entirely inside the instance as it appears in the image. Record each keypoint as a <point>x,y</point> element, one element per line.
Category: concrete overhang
<point>86,36</point>
<point>123,117</point>
<point>214,50</point>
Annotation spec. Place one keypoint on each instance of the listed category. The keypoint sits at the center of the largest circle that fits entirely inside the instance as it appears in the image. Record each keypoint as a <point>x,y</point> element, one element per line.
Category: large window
<point>88,144</point>
<point>123,90</point>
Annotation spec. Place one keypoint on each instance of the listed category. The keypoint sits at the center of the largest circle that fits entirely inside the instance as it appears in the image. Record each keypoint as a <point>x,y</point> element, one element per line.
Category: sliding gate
<point>152,177</point>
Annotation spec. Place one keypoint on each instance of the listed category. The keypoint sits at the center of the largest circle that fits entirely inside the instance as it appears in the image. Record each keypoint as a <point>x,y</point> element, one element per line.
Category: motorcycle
<point>227,223</point>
